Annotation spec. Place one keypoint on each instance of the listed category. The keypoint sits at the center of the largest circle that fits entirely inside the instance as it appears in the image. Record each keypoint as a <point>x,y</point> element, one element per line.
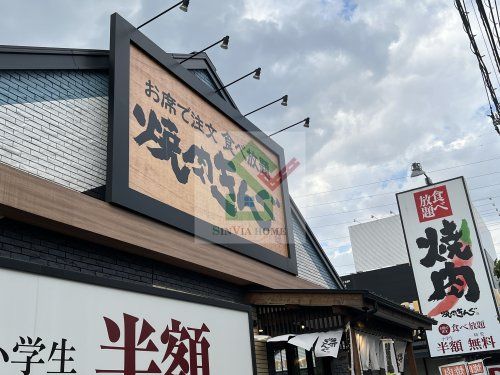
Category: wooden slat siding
<point>313,300</point>
<point>305,299</point>
<point>260,355</point>
<point>261,358</point>
<point>260,348</point>
<point>279,320</point>
<point>39,202</point>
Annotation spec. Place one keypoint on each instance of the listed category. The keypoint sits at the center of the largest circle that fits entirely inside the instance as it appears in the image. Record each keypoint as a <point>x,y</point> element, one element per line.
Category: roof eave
<point>306,297</point>
<point>53,58</point>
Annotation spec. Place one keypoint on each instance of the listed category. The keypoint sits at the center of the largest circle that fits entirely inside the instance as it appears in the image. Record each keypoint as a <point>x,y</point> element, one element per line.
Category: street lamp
<point>416,170</point>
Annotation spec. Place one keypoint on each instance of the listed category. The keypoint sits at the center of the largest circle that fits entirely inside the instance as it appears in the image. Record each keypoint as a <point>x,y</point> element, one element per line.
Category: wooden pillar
<point>412,365</point>
<point>356,363</point>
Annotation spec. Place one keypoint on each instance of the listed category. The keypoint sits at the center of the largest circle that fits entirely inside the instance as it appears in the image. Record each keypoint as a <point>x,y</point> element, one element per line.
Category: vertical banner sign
<point>328,344</point>
<point>447,261</point>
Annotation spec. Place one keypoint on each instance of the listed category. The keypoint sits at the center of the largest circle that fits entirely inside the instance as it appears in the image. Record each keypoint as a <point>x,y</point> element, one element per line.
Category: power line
<point>485,208</point>
<point>345,212</point>
<point>482,187</point>
<point>491,223</point>
<point>344,237</point>
<point>380,194</point>
<point>347,236</point>
<point>482,199</point>
<point>379,206</point>
<point>334,238</point>
<point>408,159</point>
<point>384,205</point>
<point>484,41</point>
<point>489,33</point>
<point>403,178</point>
<point>484,204</point>
<point>332,225</point>
<point>490,90</point>
<point>490,216</point>
<point>395,204</point>
<point>494,223</point>
<point>489,213</point>
<point>350,222</point>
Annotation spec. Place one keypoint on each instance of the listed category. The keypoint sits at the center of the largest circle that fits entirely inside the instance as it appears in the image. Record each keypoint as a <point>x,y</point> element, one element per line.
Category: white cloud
<point>385,84</point>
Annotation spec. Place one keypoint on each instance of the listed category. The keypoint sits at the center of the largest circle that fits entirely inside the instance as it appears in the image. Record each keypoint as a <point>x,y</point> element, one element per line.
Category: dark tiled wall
<point>31,244</point>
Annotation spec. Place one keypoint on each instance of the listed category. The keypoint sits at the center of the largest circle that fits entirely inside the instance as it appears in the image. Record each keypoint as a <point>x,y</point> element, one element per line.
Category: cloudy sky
<point>385,82</point>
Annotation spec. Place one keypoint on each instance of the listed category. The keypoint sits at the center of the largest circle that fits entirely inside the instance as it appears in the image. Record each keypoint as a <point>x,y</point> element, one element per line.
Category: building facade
<point>68,249</point>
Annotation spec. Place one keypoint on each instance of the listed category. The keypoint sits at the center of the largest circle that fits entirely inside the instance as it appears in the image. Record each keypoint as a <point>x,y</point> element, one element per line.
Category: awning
<point>342,302</point>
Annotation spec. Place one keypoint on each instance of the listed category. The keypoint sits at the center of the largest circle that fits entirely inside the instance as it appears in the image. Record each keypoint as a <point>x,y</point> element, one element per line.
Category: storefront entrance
<point>286,359</point>
<point>283,315</point>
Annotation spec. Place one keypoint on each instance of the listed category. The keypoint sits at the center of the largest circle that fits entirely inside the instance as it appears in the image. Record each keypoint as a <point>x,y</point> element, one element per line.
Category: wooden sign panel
<point>183,155</point>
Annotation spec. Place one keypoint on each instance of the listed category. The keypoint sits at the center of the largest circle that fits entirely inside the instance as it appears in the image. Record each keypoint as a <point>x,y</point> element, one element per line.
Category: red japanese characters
<point>432,203</point>
<point>186,350</point>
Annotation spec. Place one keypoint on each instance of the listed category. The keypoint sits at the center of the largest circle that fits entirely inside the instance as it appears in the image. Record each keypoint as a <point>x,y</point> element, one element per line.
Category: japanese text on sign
<point>450,274</point>
<point>184,350</point>
<point>189,156</point>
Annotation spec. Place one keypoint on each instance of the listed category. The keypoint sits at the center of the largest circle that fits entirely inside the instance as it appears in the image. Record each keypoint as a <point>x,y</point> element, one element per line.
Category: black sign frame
<point>123,34</point>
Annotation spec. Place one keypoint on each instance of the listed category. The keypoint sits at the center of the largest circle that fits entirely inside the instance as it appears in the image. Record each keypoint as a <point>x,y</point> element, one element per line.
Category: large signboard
<point>183,155</point>
<point>56,326</point>
<point>448,264</point>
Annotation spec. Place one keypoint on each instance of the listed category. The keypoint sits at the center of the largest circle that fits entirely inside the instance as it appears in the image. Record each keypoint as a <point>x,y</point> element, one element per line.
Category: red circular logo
<point>444,329</point>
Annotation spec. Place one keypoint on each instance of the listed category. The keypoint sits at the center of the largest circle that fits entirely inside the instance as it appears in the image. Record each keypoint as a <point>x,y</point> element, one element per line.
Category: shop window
<point>280,363</point>
<point>291,360</point>
<point>302,361</point>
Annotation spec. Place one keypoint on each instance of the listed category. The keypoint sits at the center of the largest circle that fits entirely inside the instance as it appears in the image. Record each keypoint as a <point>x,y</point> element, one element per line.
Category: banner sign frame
<point>123,36</point>
<point>451,247</point>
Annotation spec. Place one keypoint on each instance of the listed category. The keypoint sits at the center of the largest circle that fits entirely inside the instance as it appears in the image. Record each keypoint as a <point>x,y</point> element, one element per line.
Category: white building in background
<point>380,243</point>
<point>487,242</point>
